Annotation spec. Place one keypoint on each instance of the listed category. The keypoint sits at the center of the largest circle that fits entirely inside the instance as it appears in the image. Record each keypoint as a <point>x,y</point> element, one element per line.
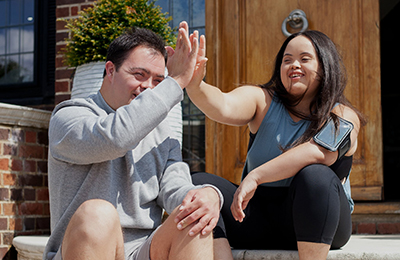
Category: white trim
<point>24,116</point>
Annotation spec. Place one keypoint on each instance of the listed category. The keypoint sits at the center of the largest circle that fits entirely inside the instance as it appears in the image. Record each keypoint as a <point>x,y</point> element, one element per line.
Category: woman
<point>295,194</point>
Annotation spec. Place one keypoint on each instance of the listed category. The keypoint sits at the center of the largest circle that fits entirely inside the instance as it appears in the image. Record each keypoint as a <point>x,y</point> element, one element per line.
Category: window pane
<point>180,12</point>
<point>2,41</point>
<point>10,71</point>
<point>27,39</point>
<point>29,11</point>
<point>2,67</point>
<point>26,73</point>
<point>14,15</point>
<point>198,13</point>
<point>164,4</point>
<point>13,40</point>
<point>3,12</point>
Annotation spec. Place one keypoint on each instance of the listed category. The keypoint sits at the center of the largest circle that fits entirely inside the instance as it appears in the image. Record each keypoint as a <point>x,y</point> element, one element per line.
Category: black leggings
<point>313,209</point>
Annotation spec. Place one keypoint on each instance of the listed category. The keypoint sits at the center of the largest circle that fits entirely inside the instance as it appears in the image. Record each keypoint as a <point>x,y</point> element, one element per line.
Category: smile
<point>295,75</point>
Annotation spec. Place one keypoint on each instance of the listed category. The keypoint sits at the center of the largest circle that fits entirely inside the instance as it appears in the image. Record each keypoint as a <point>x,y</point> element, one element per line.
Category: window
<point>193,150</point>
<point>27,49</point>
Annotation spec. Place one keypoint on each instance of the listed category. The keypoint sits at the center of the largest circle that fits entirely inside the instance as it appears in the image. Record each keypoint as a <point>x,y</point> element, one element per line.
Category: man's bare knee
<point>94,220</point>
<point>171,243</point>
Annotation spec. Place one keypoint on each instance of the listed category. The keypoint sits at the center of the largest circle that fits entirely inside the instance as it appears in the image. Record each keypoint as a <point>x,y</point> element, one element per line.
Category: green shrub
<point>98,26</point>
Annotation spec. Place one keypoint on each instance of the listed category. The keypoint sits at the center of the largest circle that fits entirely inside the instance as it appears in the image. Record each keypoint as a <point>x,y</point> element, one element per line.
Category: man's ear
<point>110,69</point>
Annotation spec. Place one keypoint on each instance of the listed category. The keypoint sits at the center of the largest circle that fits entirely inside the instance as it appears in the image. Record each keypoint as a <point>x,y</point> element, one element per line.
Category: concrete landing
<point>360,247</point>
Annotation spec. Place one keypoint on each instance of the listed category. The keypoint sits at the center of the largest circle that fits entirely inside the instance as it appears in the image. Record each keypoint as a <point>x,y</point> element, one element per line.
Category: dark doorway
<point>390,56</point>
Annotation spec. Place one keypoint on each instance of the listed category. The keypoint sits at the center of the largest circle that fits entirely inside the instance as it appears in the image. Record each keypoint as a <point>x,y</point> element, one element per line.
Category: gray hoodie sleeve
<point>82,134</point>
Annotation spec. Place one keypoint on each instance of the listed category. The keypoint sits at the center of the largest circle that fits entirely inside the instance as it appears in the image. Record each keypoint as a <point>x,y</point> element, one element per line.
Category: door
<point>243,38</point>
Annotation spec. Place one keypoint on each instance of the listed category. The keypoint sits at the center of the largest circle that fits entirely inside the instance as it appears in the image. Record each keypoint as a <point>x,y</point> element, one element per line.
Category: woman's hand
<point>242,197</point>
<point>201,61</point>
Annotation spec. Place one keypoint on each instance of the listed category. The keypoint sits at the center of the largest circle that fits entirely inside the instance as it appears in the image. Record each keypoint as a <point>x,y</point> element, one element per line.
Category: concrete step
<point>360,247</point>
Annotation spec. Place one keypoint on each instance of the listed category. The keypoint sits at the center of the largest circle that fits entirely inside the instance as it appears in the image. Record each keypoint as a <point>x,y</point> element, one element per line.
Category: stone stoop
<point>30,247</point>
<point>360,247</point>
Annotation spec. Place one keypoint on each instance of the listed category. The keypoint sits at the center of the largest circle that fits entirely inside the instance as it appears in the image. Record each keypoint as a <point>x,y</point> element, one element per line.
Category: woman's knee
<point>315,176</point>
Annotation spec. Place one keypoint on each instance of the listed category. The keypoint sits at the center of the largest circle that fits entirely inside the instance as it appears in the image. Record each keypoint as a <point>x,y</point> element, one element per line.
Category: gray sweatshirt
<point>126,157</point>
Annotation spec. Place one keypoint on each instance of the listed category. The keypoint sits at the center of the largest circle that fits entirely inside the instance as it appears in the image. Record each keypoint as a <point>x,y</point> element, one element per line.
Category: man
<point>113,166</point>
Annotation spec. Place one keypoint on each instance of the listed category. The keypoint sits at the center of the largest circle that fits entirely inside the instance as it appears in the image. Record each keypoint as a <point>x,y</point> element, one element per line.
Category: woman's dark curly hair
<point>332,78</point>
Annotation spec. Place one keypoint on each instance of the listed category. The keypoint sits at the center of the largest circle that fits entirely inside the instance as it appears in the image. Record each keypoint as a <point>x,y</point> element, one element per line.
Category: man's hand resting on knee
<point>201,207</point>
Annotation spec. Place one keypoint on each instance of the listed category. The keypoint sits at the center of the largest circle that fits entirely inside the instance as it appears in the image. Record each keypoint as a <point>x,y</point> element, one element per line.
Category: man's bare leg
<point>170,243</point>
<point>94,232</point>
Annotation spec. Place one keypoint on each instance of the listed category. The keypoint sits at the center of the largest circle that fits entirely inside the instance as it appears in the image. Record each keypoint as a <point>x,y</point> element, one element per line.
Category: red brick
<point>366,228</point>
<point>15,224</point>
<point>16,194</point>
<point>30,137</point>
<point>43,223</point>
<point>60,49</point>
<point>62,86</point>
<point>62,12</point>
<point>3,251</point>
<point>46,209</point>
<point>43,138</point>
<point>4,164</point>
<point>42,166</point>
<point>61,98</point>
<point>29,194</point>
<point>61,36</point>
<point>29,224</point>
<point>16,165</point>
<point>31,151</point>
<point>60,25</point>
<point>31,209</point>
<point>67,2</point>
<point>10,149</point>
<point>388,228</point>
<point>17,135</point>
<point>8,238</point>
<point>74,10</point>
<point>60,62</point>
<point>9,179</point>
<point>64,73</point>
<point>31,180</point>
<point>42,194</point>
<point>30,166</point>
<point>4,133</point>
<point>3,224</point>
<point>9,209</point>
<point>4,194</point>
<point>83,7</point>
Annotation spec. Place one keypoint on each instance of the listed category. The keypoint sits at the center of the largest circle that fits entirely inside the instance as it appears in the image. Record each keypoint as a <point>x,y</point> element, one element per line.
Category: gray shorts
<point>140,253</point>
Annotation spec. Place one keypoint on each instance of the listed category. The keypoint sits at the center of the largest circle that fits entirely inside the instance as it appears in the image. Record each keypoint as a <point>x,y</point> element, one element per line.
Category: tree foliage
<point>99,25</point>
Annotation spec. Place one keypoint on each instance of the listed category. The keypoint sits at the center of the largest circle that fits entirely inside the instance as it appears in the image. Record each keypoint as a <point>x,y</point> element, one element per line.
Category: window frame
<point>41,90</point>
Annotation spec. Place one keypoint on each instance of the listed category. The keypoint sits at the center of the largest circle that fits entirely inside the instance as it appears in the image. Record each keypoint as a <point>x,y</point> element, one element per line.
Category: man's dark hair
<point>120,48</point>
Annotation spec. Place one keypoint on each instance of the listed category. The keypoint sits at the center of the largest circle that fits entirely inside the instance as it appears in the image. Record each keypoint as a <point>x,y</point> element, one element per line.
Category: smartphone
<point>331,138</point>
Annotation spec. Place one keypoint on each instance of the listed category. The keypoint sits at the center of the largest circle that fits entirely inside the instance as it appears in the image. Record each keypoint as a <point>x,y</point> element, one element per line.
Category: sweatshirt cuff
<point>221,198</point>
<point>171,89</point>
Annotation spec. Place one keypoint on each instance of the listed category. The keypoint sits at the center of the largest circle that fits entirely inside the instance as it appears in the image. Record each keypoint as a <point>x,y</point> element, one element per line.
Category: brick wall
<point>24,203</point>
<point>64,75</point>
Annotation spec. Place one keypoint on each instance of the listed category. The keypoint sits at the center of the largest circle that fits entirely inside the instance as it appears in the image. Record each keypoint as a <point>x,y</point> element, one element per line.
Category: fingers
<point>236,207</point>
<point>201,221</point>
<point>202,46</point>
<point>200,208</point>
<point>195,43</point>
